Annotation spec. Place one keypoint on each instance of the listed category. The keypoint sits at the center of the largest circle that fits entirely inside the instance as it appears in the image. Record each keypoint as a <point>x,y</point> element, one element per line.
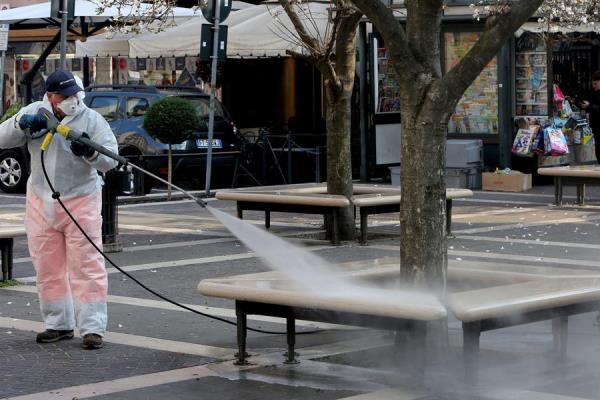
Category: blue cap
<point>63,82</point>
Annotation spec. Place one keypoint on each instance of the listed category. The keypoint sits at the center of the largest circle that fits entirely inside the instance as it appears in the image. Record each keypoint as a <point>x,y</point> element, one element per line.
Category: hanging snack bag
<point>523,142</point>
<point>555,142</point>
<point>537,146</point>
<point>587,136</point>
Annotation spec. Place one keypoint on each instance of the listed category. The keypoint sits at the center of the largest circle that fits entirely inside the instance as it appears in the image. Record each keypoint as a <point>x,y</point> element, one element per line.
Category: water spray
<point>53,126</point>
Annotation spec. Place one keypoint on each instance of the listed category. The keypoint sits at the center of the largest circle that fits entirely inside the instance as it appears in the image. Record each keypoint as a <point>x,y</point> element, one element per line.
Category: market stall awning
<point>539,28</point>
<point>104,45</point>
<point>263,30</point>
<point>39,14</point>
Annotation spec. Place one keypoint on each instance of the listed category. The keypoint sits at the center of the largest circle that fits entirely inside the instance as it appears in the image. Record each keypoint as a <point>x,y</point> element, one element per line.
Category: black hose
<point>56,196</point>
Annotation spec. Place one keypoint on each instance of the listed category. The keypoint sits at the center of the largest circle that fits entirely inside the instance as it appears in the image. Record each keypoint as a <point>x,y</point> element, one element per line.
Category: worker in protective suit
<point>71,276</point>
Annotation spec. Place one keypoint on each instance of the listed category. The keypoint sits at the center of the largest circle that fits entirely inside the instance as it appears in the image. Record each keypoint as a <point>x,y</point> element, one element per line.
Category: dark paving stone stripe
<point>30,367</point>
<point>226,389</point>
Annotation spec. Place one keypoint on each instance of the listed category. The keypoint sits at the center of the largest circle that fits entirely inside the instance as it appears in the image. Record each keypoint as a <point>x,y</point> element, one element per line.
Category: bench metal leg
<point>240,211</point>
<point>560,334</point>
<point>242,321</point>
<point>581,194</point>
<point>6,247</point>
<point>335,228</point>
<point>448,217</point>
<point>558,190</point>
<point>471,336</point>
<point>363,226</point>
<point>417,353</point>
<point>267,219</point>
<point>291,341</point>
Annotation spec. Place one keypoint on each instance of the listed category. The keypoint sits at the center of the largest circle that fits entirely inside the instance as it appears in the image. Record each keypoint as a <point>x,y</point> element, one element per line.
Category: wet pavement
<point>154,350</point>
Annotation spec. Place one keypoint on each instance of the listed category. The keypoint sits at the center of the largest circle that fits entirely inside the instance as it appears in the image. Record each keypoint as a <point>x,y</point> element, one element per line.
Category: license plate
<point>203,143</point>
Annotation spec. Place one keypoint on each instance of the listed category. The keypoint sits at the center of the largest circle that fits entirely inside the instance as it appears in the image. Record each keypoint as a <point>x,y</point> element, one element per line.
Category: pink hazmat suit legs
<point>71,275</point>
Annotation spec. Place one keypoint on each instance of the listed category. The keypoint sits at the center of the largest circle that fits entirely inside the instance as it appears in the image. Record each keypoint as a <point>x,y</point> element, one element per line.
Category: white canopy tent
<point>119,45</point>
<point>539,28</point>
<point>40,13</point>
<point>260,31</point>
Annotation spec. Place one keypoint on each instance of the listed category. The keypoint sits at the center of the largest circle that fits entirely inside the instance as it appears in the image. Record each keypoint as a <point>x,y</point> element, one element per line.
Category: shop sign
<point>4,30</point>
<point>209,9</point>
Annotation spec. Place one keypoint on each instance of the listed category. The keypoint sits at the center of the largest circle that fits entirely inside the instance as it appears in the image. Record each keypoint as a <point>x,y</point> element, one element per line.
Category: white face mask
<point>69,105</point>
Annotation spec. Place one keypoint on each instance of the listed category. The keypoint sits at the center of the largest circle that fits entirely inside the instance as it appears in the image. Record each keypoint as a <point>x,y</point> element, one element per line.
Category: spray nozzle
<point>200,202</point>
<point>51,121</point>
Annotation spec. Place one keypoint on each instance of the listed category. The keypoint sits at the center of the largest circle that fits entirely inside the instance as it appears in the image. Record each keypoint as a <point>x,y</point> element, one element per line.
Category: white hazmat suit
<point>71,275</point>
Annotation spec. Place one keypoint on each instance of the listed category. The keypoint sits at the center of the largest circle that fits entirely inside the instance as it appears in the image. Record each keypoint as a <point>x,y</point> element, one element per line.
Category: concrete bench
<point>305,203</point>
<point>578,175</point>
<point>505,295</point>
<point>555,297</point>
<point>268,294</point>
<point>312,198</point>
<point>387,201</point>
<point>7,235</point>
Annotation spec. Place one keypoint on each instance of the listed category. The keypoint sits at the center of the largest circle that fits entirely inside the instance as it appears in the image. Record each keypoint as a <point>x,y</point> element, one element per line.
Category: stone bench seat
<point>283,201</point>
<point>578,175</point>
<point>307,199</point>
<point>386,201</point>
<point>268,294</point>
<point>504,295</point>
<point>7,235</point>
<point>312,198</point>
<point>554,297</point>
<point>523,298</point>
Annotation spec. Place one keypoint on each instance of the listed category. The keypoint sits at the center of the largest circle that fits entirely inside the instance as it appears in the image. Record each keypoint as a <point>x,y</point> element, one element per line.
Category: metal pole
<point>362,76</point>
<point>213,84</point>
<point>2,100</point>
<point>63,34</point>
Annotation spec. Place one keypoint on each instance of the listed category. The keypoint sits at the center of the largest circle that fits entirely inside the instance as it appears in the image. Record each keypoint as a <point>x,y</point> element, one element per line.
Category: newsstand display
<point>563,139</point>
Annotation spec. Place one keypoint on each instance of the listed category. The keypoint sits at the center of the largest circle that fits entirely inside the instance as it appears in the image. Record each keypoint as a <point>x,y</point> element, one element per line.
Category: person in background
<point>71,276</point>
<point>592,107</point>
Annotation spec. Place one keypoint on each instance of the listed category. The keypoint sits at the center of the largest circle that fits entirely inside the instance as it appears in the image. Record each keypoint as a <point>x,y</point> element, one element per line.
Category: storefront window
<point>530,76</point>
<point>388,89</point>
<point>477,111</point>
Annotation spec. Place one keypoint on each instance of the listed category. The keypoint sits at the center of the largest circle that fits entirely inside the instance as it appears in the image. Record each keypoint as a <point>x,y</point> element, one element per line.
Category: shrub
<point>171,120</point>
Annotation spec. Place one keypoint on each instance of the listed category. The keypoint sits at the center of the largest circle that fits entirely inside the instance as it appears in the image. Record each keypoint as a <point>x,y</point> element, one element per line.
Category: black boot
<point>52,335</point>
<point>92,341</point>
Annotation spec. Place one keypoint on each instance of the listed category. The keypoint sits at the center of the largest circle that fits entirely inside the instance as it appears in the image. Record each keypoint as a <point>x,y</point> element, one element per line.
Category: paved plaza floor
<point>157,351</point>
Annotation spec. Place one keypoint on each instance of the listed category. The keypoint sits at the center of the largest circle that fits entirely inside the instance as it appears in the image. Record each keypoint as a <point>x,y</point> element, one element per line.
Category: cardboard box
<point>585,153</point>
<point>514,182</point>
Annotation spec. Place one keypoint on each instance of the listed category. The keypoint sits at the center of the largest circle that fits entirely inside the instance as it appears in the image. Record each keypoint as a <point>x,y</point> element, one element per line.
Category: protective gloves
<point>82,150</point>
<point>34,123</point>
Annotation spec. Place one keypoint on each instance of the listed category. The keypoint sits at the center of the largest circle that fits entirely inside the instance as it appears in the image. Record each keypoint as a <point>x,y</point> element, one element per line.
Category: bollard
<point>318,165</point>
<point>289,158</point>
<point>110,223</point>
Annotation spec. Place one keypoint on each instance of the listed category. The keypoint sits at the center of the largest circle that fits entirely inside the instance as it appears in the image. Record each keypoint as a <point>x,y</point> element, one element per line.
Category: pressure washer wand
<point>73,135</point>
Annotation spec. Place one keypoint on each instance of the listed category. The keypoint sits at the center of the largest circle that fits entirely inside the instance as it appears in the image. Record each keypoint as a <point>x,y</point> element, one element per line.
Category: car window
<point>137,106</point>
<point>202,104</point>
<point>106,106</point>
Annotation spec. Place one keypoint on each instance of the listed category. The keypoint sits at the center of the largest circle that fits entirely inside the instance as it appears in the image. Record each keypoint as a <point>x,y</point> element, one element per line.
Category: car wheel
<point>13,173</point>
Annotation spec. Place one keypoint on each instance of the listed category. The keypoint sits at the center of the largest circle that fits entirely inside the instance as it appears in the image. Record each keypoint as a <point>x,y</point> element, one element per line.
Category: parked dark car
<point>124,107</point>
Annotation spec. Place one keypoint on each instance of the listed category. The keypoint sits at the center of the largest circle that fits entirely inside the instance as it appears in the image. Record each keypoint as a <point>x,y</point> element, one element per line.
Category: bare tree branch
<point>298,25</point>
<point>395,37</point>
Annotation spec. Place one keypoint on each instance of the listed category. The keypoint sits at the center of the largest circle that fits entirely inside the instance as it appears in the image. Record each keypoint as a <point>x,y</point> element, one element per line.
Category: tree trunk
<point>423,242</point>
<point>169,173</point>
<point>339,168</point>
